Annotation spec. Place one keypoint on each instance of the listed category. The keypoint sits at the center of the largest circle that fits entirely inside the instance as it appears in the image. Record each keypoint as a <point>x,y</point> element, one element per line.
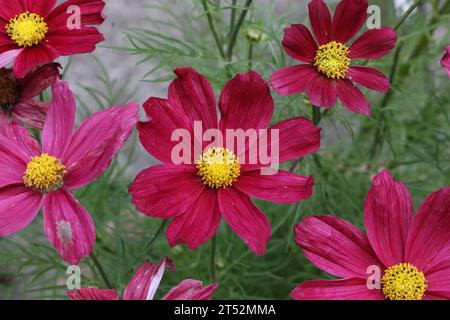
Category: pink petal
<point>37,81</point>
<point>373,44</point>
<point>20,137</point>
<point>93,294</point>
<point>70,42</point>
<point>246,103</point>
<point>335,246</point>
<point>429,235</point>
<point>292,80</point>
<point>60,120</point>
<point>198,224</point>
<point>31,57</point>
<point>388,213</point>
<point>283,187</point>
<point>91,13</point>
<point>321,91</point>
<point>146,280</point>
<point>250,224</point>
<point>445,61</point>
<point>166,191</point>
<point>9,57</point>
<point>345,289</point>
<point>352,97</point>
<point>299,43</point>
<point>438,279</point>
<point>349,17</point>
<point>320,18</point>
<point>18,208</point>
<point>13,162</point>
<point>31,112</point>
<point>191,290</point>
<point>68,226</point>
<point>369,77</point>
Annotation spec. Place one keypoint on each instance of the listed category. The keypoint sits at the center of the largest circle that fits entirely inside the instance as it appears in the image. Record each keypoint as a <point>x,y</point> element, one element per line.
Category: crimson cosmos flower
<point>33,32</point>
<point>411,252</point>
<point>143,286</point>
<point>31,175</point>
<point>197,196</point>
<point>329,72</point>
<point>17,95</point>
<point>445,61</point>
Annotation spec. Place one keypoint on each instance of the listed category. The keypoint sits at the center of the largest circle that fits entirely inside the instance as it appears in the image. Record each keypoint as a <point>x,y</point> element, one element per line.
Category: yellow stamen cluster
<point>218,168</point>
<point>44,173</point>
<point>332,60</point>
<point>9,92</point>
<point>27,29</point>
<point>404,282</point>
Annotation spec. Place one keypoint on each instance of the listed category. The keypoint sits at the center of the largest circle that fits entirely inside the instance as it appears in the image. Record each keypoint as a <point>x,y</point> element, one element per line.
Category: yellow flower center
<point>44,173</point>
<point>404,282</point>
<point>332,60</point>
<point>218,168</point>
<point>9,92</point>
<point>27,29</point>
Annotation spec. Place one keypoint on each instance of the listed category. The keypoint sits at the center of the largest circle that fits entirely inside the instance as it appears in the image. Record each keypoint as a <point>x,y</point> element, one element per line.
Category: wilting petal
<point>349,17</point>
<point>68,226</point>
<point>369,77</point>
<point>20,137</point>
<point>91,13</point>
<point>429,235</point>
<point>320,19</point>
<point>31,112</point>
<point>93,294</point>
<point>388,213</point>
<point>299,43</point>
<point>321,91</point>
<point>166,191</point>
<point>76,41</point>
<point>31,57</point>
<point>191,290</point>
<point>250,224</point>
<point>335,246</point>
<point>37,81</point>
<point>198,224</point>
<point>292,80</point>
<point>18,208</point>
<point>352,97</point>
<point>373,44</point>
<point>346,289</point>
<point>445,61</point>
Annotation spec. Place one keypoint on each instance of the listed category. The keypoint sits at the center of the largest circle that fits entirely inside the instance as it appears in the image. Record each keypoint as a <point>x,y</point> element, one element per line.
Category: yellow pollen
<point>44,173</point>
<point>332,60</point>
<point>27,29</point>
<point>218,168</point>
<point>404,282</point>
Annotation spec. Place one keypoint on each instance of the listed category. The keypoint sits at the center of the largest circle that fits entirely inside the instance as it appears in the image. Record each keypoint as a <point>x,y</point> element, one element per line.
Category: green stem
<point>102,272</point>
<point>407,13</point>
<point>213,259</point>
<point>233,16</point>
<point>250,56</point>
<point>316,115</point>
<point>213,28</point>
<point>236,29</point>
<point>156,236</point>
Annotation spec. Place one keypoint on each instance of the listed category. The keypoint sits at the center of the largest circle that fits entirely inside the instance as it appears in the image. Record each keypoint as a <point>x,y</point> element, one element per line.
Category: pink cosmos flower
<point>329,74</point>
<point>32,176</point>
<point>17,96</point>
<point>35,32</point>
<point>445,61</point>
<point>410,253</point>
<point>144,284</point>
<point>218,183</point>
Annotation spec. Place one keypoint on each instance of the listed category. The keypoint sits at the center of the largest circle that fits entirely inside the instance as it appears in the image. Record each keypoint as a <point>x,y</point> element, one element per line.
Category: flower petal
<point>8,54</point>
<point>37,81</point>
<point>369,77</point>
<point>93,294</point>
<point>352,97</point>
<point>292,80</point>
<point>198,224</point>
<point>373,44</point>
<point>320,19</point>
<point>191,290</point>
<point>90,10</point>
<point>388,213</point>
<point>438,279</point>
<point>345,289</point>
<point>299,43</point>
<point>20,138</point>
<point>42,7</point>
<point>68,226</point>
<point>335,246</point>
<point>18,208</point>
<point>321,91</point>
<point>10,9</point>
<point>445,61</point>
<point>166,191</point>
<point>76,41</point>
<point>349,17</point>
<point>250,224</point>
<point>31,57</point>
<point>13,162</point>
<point>31,112</point>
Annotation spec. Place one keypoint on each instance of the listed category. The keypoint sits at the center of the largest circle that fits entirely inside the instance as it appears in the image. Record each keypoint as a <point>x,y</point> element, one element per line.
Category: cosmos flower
<point>445,61</point>
<point>35,32</point>
<point>218,182</point>
<point>329,73</point>
<point>143,286</point>
<point>410,252</point>
<point>32,176</point>
<point>17,96</point>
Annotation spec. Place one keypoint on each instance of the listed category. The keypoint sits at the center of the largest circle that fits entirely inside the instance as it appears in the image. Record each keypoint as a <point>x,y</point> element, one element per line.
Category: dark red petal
<point>40,7</point>
<point>369,77</point>
<point>299,43</point>
<point>9,9</point>
<point>349,17</point>
<point>91,13</point>
<point>69,42</point>
<point>352,97</point>
<point>321,91</point>
<point>320,18</point>
<point>37,81</point>
<point>292,80</point>
<point>32,57</point>
<point>373,44</point>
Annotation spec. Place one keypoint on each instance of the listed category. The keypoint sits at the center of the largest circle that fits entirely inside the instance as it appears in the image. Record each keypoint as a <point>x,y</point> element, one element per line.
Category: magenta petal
<point>18,208</point>
<point>321,91</point>
<point>445,61</point>
<point>20,137</point>
<point>283,187</point>
<point>31,112</point>
<point>369,77</point>
<point>166,191</point>
<point>429,236</point>
<point>77,41</point>
<point>13,162</point>
<point>68,226</point>
<point>91,13</point>
<point>198,224</point>
<point>335,246</point>
<point>292,80</point>
<point>299,43</point>
<point>373,44</point>
<point>349,17</point>
<point>352,97</point>
<point>191,290</point>
<point>388,213</point>
<point>438,279</point>
<point>250,224</point>
<point>320,18</point>
<point>42,8</point>
<point>345,289</point>
<point>60,120</point>
<point>93,294</point>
